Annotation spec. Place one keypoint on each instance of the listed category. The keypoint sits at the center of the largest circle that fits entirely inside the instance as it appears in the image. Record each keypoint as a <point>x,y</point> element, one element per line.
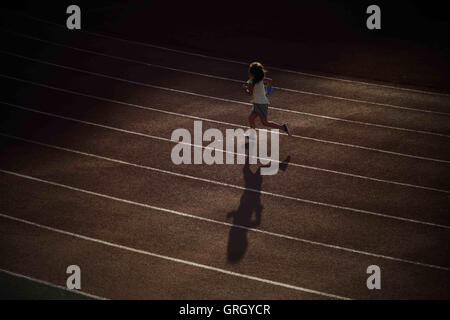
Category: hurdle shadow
<point>248,214</point>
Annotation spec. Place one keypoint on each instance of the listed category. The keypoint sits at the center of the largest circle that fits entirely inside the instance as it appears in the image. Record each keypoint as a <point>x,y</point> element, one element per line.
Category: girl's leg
<point>251,119</point>
<point>271,124</point>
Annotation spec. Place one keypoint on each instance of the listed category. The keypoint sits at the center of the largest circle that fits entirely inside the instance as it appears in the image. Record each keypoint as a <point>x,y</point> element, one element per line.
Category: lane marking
<point>49,284</point>
<point>191,216</point>
<point>231,60</point>
<point>223,99</point>
<point>219,77</point>
<point>172,259</point>
<point>220,122</point>
<point>222,150</point>
<point>276,195</point>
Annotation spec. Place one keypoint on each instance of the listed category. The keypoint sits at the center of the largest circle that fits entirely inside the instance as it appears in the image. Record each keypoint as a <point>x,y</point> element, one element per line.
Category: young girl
<point>255,87</point>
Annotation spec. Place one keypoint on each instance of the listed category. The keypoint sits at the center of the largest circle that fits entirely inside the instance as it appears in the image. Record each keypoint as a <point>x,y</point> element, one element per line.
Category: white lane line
<point>172,259</point>
<point>219,77</point>
<point>409,185</point>
<point>223,99</point>
<point>221,122</point>
<point>224,184</point>
<point>187,215</point>
<point>268,66</point>
<point>231,60</point>
<point>49,284</point>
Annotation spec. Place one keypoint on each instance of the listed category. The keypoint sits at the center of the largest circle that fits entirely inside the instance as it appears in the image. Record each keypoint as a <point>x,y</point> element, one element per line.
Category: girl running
<point>255,87</point>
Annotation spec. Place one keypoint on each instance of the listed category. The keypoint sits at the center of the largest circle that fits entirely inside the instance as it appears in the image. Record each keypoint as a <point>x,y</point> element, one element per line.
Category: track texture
<point>87,179</point>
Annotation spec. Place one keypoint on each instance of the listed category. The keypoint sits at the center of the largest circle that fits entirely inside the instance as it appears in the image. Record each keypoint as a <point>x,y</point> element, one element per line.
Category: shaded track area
<point>87,177</point>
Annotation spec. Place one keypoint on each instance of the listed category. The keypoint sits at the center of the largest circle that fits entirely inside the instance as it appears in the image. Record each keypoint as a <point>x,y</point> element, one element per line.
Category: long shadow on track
<point>243,217</point>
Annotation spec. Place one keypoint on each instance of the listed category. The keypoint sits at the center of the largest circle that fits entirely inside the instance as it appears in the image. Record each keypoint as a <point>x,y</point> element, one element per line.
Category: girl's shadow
<point>250,204</point>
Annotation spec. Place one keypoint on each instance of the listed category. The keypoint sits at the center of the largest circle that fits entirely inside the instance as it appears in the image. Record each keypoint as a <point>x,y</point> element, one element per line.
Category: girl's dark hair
<point>258,72</point>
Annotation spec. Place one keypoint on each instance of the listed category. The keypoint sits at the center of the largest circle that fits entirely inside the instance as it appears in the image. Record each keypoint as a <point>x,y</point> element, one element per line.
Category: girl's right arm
<point>248,87</point>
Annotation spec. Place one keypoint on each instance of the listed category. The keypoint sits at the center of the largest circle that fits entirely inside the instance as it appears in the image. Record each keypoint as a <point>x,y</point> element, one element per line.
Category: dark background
<point>319,36</point>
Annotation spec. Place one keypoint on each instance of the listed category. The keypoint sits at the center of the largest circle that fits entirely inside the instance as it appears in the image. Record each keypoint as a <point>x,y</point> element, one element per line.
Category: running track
<point>86,177</point>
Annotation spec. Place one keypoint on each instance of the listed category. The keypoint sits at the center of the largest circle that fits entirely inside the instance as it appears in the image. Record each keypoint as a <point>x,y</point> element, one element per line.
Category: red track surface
<point>86,178</point>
